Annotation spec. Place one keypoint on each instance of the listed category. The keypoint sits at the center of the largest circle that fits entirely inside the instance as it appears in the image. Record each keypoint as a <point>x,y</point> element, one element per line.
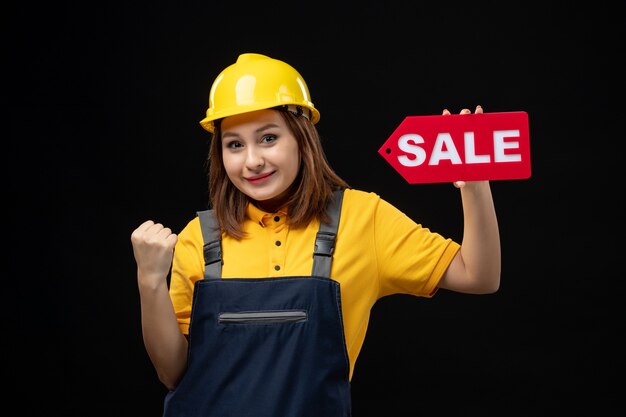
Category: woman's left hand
<point>446,112</point>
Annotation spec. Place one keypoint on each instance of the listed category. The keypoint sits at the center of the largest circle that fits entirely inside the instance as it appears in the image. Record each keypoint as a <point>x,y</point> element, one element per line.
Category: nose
<point>254,158</point>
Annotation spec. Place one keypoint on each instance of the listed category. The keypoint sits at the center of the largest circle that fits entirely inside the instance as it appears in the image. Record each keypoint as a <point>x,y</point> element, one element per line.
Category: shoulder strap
<point>325,239</point>
<point>212,244</point>
<point>322,253</point>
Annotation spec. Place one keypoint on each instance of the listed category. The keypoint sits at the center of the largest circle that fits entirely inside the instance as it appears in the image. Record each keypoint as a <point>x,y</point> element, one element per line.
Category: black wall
<point>103,109</point>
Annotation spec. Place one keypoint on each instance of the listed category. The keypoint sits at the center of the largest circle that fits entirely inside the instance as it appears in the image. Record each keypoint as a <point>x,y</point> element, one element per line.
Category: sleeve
<point>411,258</point>
<point>187,268</point>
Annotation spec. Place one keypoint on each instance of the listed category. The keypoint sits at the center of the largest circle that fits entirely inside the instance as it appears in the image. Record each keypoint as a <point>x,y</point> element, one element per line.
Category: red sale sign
<point>460,147</point>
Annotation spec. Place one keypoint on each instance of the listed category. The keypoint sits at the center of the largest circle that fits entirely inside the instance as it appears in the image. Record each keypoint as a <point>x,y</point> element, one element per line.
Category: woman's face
<point>261,156</point>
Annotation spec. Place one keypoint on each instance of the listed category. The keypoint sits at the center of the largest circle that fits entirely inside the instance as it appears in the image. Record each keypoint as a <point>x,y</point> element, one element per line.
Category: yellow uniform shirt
<point>379,251</point>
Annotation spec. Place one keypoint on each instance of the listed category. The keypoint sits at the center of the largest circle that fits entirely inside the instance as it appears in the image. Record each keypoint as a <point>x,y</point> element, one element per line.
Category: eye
<point>234,144</point>
<point>268,138</point>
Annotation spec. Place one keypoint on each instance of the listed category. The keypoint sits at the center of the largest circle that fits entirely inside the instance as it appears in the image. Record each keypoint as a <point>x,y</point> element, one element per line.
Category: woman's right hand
<point>153,247</point>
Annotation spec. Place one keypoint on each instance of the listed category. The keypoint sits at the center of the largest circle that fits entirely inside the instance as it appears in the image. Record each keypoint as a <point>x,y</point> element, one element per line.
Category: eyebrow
<point>259,130</point>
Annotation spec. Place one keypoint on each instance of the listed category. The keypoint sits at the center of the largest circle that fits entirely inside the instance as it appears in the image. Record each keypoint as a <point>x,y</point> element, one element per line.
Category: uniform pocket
<point>263,317</point>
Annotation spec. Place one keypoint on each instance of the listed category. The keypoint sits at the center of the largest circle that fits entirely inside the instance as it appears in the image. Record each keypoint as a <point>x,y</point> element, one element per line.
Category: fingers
<point>478,110</point>
<point>144,226</point>
<point>143,229</point>
<point>153,233</point>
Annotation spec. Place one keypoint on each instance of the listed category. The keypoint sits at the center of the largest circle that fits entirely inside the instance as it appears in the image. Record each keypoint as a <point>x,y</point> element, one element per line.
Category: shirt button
<point>277,243</point>
<point>276,219</point>
<point>277,267</point>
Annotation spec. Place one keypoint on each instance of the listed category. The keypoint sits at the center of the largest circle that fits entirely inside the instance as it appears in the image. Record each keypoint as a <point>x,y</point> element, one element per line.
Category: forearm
<point>480,248</point>
<point>164,342</point>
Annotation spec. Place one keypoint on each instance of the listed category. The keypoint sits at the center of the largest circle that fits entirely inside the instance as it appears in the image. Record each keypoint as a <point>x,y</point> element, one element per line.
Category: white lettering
<point>439,153</point>
<point>499,146</point>
<point>445,149</point>
<point>470,151</point>
<point>407,143</point>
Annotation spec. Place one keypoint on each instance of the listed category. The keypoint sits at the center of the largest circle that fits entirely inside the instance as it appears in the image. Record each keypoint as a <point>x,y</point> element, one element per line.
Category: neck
<point>270,206</point>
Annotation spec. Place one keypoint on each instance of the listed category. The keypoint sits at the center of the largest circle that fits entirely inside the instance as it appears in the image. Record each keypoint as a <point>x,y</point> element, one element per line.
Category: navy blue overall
<point>267,347</point>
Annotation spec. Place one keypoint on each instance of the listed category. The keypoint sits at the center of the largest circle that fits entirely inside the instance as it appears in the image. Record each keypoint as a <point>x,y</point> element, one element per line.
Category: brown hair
<point>310,192</point>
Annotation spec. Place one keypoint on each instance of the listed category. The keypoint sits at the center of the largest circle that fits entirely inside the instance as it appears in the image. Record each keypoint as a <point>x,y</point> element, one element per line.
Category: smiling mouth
<point>259,177</point>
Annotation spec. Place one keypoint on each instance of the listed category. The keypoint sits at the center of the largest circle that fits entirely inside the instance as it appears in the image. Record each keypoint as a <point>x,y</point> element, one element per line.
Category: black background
<point>104,103</point>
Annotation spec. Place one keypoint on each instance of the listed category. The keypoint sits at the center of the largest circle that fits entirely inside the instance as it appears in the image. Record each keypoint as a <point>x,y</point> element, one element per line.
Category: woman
<point>267,316</point>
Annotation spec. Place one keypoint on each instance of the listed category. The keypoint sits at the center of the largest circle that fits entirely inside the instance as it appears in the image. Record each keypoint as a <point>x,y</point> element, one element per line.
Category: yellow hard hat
<point>257,82</point>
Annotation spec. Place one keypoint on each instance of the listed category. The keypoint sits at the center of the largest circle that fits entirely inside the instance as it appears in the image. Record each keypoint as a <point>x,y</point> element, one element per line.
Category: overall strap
<point>322,253</point>
<point>325,239</point>
<point>212,244</point>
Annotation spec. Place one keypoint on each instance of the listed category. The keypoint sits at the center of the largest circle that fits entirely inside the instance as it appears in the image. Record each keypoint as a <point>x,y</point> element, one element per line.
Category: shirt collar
<point>262,217</point>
